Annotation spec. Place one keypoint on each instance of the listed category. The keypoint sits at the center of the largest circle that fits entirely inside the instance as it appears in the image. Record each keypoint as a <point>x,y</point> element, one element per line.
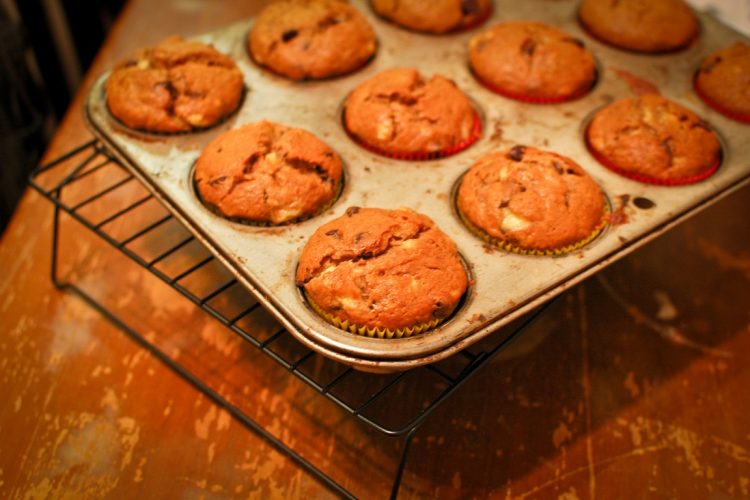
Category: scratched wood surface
<point>634,385</point>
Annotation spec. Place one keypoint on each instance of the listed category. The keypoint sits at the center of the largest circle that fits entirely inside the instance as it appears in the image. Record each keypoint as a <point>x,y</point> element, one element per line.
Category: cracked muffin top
<point>399,112</point>
<point>434,16</point>
<point>382,269</point>
<point>267,173</point>
<point>653,139</point>
<point>176,86</point>
<point>525,199</point>
<point>303,39</point>
<point>723,80</point>
<point>532,61</point>
<point>640,25</point>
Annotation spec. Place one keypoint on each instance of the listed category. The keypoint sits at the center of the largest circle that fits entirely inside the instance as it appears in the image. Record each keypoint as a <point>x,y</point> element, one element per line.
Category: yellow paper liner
<point>554,252</point>
<point>380,333</point>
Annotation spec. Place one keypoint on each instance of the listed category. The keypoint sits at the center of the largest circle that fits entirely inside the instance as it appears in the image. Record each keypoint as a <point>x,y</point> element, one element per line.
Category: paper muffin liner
<point>476,133</point>
<point>647,179</point>
<point>547,252</point>
<point>532,99</point>
<point>734,115</point>
<point>380,333</point>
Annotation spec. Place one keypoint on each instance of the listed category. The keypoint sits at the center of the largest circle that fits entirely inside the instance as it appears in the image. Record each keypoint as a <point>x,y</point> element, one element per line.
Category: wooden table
<point>634,385</point>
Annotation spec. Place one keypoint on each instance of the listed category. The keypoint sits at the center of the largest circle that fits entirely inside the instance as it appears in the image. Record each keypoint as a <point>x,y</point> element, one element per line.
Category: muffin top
<point>532,61</point>
<point>640,25</point>
<point>434,16</point>
<point>654,138</point>
<point>529,199</point>
<point>723,80</point>
<point>385,269</point>
<point>267,173</point>
<point>176,86</point>
<point>400,112</point>
<point>311,38</point>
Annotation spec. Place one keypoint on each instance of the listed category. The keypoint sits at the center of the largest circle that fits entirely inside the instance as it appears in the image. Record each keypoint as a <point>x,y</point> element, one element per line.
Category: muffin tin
<point>505,286</point>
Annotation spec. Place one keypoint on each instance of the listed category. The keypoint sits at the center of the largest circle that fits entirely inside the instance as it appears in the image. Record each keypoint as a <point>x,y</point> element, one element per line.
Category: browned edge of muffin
<point>265,224</point>
<point>456,31</point>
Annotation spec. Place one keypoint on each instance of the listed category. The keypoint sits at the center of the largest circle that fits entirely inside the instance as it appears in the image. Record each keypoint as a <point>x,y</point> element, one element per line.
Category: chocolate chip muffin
<point>401,114</point>
<point>652,139</point>
<point>640,25</point>
<point>532,62</point>
<point>303,39</point>
<point>434,16</point>
<point>529,201</point>
<point>266,173</point>
<point>176,86</point>
<point>383,273</point>
<point>723,81</point>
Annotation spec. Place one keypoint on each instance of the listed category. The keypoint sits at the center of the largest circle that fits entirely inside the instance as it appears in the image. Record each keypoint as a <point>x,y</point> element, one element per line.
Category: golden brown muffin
<point>400,113</point>
<point>531,201</point>
<point>434,16</point>
<point>652,139</point>
<point>532,61</point>
<point>176,86</point>
<point>311,38</point>
<point>267,173</point>
<point>382,272</point>
<point>640,25</point>
<point>723,81</point>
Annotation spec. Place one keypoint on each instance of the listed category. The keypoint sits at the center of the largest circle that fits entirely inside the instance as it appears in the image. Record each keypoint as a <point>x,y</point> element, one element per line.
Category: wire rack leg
<point>402,463</point>
<point>184,373</point>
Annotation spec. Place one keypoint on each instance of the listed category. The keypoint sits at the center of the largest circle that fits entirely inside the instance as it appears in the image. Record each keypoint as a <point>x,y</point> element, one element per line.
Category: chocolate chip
<point>528,47</point>
<point>441,310</point>
<point>504,204</point>
<point>470,7</point>
<point>576,41</point>
<point>289,35</point>
<point>351,211</point>
<point>516,153</point>
<point>366,255</point>
<point>558,167</point>
<point>335,233</point>
<point>643,203</point>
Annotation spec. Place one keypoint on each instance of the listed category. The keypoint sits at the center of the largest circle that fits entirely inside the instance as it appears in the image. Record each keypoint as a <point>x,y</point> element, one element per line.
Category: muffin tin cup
<point>504,285</point>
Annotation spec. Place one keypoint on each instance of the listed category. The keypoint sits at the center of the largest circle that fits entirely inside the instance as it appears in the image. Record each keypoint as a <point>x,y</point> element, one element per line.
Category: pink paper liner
<point>646,179</point>
<point>734,115</point>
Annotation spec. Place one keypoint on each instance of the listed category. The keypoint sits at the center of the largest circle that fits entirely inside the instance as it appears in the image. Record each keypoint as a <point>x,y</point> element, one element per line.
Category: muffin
<point>654,140</point>
<point>176,86</point>
<point>529,201</point>
<point>532,62</point>
<point>723,81</point>
<point>640,25</point>
<point>401,114</point>
<point>303,39</point>
<point>382,273</point>
<point>434,16</point>
<point>266,173</point>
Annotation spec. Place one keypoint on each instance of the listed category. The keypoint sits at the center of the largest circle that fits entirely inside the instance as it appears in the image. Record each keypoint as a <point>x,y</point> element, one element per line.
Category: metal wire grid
<point>369,405</point>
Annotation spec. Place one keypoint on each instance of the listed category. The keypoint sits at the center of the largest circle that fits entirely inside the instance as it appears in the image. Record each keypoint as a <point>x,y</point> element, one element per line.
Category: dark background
<point>45,47</point>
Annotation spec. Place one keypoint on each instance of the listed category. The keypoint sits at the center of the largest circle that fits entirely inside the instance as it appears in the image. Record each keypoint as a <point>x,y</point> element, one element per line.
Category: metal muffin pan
<point>505,286</point>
